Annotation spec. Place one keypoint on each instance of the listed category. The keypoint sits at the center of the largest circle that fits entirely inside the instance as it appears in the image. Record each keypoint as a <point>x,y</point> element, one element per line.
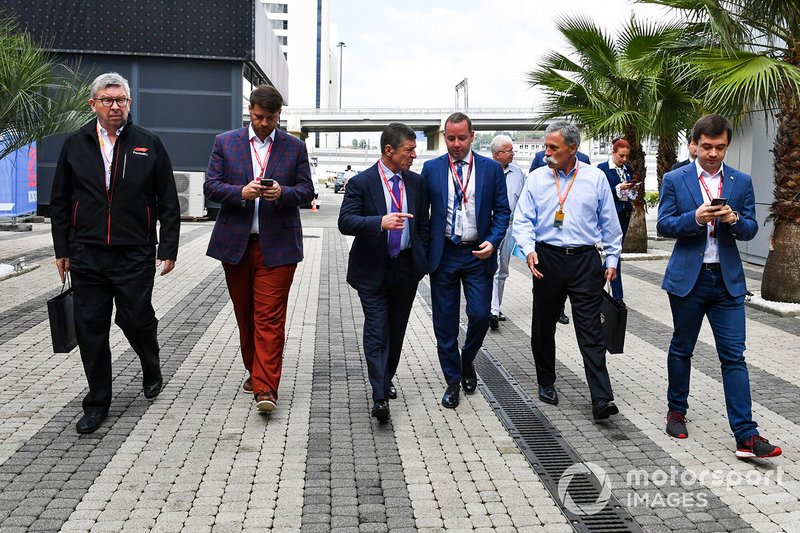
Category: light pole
<point>341,46</point>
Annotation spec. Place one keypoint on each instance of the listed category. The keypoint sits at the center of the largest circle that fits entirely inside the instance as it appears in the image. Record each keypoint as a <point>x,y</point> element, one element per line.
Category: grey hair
<point>568,130</point>
<point>110,79</point>
<point>500,141</point>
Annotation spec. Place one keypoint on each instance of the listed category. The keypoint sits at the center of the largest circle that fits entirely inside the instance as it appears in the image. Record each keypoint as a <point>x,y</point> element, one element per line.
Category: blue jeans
<point>710,298</point>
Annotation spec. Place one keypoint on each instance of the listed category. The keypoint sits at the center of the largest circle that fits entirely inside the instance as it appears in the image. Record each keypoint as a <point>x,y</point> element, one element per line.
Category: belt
<point>714,267</point>
<point>253,237</point>
<point>566,251</point>
<point>402,255</point>
<point>462,244</point>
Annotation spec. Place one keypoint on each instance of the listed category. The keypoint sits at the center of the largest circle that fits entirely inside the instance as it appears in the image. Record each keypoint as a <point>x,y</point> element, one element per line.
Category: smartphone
<point>267,182</point>
<point>718,202</point>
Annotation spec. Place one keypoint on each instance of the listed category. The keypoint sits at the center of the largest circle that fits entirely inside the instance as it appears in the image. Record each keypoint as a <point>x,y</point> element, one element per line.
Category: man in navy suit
<point>386,208</point>
<point>260,176</point>
<point>692,155</point>
<point>469,217</point>
<point>620,177</point>
<point>708,206</point>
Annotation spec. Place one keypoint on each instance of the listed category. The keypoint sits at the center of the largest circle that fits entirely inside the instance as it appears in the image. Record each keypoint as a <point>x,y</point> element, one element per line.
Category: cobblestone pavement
<point>200,458</point>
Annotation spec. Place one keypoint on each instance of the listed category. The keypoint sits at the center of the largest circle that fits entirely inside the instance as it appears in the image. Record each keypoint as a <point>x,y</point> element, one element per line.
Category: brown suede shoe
<point>247,386</point>
<point>266,402</point>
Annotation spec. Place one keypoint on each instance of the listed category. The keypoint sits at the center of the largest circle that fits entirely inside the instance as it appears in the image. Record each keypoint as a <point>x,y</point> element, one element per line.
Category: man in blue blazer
<point>386,208</point>
<point>469,217</point>
<point>708,206</point>
<point>260,176</point>
<point>620,177</point>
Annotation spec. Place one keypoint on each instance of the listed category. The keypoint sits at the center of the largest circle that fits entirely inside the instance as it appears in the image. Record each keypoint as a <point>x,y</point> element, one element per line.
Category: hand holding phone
<point>267,182</point>
<point>719,202</point>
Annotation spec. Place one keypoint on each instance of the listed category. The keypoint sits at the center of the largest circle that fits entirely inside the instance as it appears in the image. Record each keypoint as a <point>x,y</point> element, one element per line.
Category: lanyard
<point>569,187</point>
<point>103,148</point>
<point>463,186</point>
<point>397,204</point>
<point>708,192</point>
<point>262,166</point>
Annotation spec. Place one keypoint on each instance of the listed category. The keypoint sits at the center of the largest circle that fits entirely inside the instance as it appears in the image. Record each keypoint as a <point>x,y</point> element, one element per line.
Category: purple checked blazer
<point>229,170</point>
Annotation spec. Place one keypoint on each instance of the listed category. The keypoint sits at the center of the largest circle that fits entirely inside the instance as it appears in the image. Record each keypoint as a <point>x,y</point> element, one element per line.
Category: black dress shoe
<point>469,379</point>
<point>151,390</point>
<point>450,398</point>
<point>602,409</point>
<point>392,391</point>
<point>563,318</point>
<point>494,322</point>
<point>501,317</point>
<point>380,410</point>
<point>548,394</point>
<point>90,421</point>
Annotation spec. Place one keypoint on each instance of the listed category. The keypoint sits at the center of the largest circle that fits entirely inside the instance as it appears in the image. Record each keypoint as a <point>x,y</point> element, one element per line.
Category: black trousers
<point>386,312</point>
<point>581,277</point>
<point>102,276</point>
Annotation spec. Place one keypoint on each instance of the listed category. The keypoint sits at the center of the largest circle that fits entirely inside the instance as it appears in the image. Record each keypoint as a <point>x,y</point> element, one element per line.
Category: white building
<point>309,44</point>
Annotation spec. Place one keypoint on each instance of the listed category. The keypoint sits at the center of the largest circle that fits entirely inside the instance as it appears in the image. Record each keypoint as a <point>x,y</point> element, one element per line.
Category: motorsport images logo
<point>675,487</point>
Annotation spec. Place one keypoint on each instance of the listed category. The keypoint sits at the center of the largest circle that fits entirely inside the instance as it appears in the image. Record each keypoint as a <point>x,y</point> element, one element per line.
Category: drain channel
<point>548,452</point>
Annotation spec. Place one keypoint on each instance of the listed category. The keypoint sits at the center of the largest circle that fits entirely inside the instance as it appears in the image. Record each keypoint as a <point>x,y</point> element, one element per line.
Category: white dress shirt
<point>469,228</point>
<point>107,150</point>
<point>404,238</point>
<point>263,153</point>
<point>711,254</point>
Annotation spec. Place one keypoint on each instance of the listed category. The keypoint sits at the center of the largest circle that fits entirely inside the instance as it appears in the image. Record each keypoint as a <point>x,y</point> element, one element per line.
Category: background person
<point>620,177</point>
<point>503,152</point>
<point>112,183</point>
<point>259,175</point>
<point>704,277</point>
<point>386,208</point>
<point>469,217</point>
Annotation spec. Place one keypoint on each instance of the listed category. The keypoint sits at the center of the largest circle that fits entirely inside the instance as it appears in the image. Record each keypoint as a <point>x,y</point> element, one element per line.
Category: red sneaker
<point>756,446</point>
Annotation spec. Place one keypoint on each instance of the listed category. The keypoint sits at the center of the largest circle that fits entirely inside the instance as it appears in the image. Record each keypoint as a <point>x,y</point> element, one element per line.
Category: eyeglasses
<point>506,151</point>
<point>122,101</point>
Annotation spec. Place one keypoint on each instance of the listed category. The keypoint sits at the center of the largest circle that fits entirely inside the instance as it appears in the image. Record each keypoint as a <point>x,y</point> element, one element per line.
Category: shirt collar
<point>252,135</point>
<point>105,131</point>
<point>703,173</point>
<point>388,172</point>
<point>574,169</point>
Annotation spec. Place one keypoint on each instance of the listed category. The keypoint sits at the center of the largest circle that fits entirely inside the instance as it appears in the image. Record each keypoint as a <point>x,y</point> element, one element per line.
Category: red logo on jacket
<point>140,151</point>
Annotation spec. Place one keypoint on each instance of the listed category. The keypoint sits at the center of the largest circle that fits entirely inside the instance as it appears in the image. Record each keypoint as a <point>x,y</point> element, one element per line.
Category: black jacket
<point>141,191</point>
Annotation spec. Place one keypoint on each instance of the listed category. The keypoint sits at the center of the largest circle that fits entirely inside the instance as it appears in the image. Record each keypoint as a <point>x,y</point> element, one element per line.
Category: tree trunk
<point>666,157</point>
<point>781,281</point>
<point>636,238</point>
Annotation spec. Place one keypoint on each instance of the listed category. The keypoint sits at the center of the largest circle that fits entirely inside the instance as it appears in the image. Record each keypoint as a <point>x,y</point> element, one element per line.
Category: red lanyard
<point>463,186</point>
<point>262,166</point>
<point>397,204</point>
<point>558,186</point>
<point>708,192</point>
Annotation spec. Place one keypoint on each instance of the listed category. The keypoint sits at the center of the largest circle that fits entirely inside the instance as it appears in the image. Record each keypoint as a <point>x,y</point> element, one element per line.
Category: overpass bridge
<point>301,122</point>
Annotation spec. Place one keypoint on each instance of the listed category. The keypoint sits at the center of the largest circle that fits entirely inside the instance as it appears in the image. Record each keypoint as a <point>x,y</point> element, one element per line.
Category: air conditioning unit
<point>190,193</point>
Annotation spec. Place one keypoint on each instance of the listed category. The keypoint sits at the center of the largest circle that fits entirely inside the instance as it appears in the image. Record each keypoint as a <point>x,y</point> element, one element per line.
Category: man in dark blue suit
<point>620,177</point>
<point>708,206</point>
<point>386,208</point>
<point>469,217</point>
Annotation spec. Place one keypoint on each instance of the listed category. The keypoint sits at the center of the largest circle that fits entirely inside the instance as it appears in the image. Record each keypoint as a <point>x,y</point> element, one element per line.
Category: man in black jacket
<point>113,182</point>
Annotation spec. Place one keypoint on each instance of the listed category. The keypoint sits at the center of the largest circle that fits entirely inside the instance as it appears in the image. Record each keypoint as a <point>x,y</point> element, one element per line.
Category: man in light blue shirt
<point>503,152</point>
<point>565,209</point>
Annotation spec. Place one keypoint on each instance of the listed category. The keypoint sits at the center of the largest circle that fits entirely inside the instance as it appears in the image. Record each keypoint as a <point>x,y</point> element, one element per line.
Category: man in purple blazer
<point>260,176</point>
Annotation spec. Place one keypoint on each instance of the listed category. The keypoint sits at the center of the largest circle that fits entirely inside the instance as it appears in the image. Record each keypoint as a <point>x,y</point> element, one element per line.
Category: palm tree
<point>750,49</point>
<point>619,86</point>
<point>38,96</point>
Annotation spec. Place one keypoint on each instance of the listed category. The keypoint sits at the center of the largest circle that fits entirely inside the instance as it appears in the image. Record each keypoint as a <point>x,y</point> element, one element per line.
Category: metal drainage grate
<point>547,451</point>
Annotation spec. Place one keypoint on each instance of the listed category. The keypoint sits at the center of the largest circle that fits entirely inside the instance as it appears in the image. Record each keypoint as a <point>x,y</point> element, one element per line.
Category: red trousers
<point>260,295</point>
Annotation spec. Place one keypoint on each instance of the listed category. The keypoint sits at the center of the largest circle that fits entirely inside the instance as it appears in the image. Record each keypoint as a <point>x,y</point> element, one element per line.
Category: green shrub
<point>651,199</point>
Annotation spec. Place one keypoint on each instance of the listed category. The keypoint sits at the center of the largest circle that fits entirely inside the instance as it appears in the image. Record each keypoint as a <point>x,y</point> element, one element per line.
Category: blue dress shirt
<point>589,213</point>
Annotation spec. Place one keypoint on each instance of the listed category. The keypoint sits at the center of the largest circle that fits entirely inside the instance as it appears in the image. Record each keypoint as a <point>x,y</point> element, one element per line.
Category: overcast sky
<point>412,53</point>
